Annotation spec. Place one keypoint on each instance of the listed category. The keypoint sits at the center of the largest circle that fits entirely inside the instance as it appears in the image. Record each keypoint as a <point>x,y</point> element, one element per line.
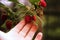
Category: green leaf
<point>1,5</point>
<point>34,1</point>
<point>13,0</point>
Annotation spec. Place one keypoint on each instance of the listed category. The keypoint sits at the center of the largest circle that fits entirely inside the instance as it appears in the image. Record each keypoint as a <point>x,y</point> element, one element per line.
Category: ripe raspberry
<point>3,14</point>
<point>28,18</point>
<point>3,17</point>
<point>42,3</point>
<point>34,18</point>
<point>9,24</point>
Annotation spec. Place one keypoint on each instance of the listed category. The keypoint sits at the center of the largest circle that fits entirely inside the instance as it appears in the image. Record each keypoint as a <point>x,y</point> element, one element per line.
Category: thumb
<point>39,36</point>
<point>2,35</point>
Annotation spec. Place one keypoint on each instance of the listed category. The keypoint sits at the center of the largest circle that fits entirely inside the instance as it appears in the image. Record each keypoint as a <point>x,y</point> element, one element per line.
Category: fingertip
<point>40,33</point>
<point>39,36</point>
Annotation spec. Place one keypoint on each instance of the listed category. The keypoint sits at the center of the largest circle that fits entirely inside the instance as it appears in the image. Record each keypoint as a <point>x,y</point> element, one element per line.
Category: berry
<point>28,18</point>
<point>9,24</point>
<point>3,17</point>
<point>42,3</point>
<point>34,18</point>
<point>3,14</point>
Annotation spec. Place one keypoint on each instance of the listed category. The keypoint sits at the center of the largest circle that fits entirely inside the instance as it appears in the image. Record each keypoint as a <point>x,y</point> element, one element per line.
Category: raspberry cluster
<point>29,18</point>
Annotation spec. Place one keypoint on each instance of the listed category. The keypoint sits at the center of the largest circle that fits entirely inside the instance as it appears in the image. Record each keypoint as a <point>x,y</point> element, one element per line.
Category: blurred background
<point>52,27</point>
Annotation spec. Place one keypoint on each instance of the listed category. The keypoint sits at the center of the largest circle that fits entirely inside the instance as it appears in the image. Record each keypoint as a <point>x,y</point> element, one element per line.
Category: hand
<point>21,31</point>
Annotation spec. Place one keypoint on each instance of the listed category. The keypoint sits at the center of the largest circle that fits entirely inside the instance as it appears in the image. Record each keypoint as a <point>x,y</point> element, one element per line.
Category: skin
<point>21,31</point>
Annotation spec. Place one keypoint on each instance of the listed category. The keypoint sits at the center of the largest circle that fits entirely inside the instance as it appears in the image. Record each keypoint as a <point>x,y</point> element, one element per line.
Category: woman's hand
<point>21,31</point>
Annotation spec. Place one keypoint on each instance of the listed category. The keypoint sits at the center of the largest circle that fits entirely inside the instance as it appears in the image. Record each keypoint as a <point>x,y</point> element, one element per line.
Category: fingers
<point>25,30</point>
<point>19,26</point>
<point>31,33</point>
<point>2,35</point>
<point>39,36</point>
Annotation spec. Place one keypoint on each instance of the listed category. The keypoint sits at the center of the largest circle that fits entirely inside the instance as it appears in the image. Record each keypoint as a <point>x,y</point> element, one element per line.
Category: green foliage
<point>13,0</point>
<point>34,1</point>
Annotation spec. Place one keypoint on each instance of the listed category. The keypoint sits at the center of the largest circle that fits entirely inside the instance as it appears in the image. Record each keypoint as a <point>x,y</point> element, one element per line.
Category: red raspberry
<point>9,24</point>
<point>42,3</point>
<point>28,18</point>
<point>34,18</point>
<point>3,17</point>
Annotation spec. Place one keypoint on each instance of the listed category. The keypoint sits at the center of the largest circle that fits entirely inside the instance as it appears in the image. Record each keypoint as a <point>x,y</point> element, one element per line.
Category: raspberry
<point>9,24</point>
<point>42,3</point>
<point>3,17</point>
<point>3,14</point>
<point>28,18</point>
<point>34,18</point>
